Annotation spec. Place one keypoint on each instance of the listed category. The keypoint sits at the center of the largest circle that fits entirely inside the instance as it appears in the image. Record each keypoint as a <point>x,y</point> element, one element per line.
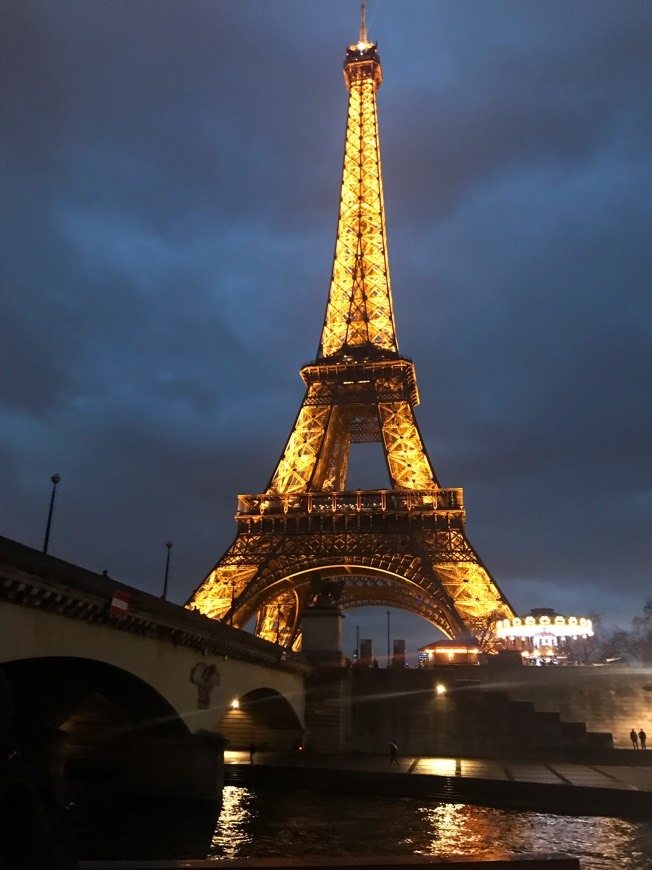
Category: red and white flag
<point>119,603</point>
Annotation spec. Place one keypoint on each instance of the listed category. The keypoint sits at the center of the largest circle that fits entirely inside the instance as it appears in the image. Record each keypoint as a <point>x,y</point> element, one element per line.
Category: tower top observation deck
<point>362,61</point>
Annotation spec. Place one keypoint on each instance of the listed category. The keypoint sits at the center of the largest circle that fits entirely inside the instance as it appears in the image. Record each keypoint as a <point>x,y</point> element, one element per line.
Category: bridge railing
<point>358,501</point>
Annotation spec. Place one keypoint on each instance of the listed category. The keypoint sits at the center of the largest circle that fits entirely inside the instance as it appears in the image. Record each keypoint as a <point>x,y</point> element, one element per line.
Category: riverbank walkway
<point>595,775</point>
<point>617,785</point>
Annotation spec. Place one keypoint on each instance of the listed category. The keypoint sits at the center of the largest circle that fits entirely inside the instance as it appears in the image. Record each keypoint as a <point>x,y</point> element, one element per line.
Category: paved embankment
<point>556,787</point>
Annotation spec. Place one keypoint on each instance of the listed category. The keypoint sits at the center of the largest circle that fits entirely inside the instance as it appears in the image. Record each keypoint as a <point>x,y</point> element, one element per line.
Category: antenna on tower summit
<point>363,25</point>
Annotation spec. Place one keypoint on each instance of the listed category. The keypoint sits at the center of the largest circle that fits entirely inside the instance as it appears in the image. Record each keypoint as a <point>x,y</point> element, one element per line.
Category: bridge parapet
<point>32,579</point>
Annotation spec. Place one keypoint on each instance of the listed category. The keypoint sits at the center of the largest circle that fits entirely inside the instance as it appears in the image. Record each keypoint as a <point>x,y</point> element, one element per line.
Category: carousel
<point>546,637</point>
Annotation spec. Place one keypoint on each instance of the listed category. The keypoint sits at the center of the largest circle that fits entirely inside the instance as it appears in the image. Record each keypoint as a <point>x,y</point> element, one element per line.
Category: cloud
<point>167,232</point>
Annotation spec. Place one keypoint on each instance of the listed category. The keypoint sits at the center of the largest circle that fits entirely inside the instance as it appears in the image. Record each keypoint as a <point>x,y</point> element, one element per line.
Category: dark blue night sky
<point>171,179</point>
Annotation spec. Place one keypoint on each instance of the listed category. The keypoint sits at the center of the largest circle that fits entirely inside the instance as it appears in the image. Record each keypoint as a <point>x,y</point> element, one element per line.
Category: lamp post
<point>357,644</point>
<point>232,600</point>
<point>55,480</point>
<point>167,571</point>
<point>388,614</point>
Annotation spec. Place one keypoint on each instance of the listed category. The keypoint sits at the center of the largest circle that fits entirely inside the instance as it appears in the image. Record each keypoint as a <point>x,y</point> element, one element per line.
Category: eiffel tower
<point>403,547</point>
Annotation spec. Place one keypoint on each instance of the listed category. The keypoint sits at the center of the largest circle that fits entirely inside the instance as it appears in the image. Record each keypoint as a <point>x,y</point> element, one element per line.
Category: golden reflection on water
<point>301,823</point>
<point>459,829</point>
<point>601,843</point>
<point>232,834</point>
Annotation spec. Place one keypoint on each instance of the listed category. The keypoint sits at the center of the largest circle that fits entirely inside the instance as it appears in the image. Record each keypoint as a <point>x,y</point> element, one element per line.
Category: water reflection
<point>459,829</point>
<point>277,824</point>
<point>232,835</point>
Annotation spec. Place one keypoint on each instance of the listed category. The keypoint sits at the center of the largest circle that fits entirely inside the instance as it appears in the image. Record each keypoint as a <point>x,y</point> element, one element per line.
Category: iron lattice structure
<point>404,547</point>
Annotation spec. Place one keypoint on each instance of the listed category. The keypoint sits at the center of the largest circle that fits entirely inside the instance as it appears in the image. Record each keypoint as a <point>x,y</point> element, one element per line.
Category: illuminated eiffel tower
<point>403,547</point>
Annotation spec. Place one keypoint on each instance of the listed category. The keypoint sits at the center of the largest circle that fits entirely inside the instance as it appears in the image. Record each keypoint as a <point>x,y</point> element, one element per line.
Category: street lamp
<point>167,571</point>
<point>55,480</point>
<point>232,600</point>
<point>388,613</point>
<point>357,644</point>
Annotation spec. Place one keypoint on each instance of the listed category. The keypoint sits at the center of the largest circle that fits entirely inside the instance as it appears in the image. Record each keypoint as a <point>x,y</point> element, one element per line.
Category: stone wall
<point>613,699</point>
<point>498,711</point>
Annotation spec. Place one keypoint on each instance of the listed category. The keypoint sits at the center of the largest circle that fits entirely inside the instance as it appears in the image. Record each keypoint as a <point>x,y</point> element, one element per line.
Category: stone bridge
<point>106,680</point>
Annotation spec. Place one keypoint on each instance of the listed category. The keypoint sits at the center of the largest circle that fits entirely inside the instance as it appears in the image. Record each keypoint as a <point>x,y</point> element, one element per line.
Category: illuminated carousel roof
<point>544,621</point>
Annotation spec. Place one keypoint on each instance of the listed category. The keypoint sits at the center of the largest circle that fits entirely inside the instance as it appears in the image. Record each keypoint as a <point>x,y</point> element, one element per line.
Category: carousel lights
<point>557,626</point>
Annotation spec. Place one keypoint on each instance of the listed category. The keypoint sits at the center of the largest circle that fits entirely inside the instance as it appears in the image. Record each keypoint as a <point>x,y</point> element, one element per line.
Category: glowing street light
<point>55,480</point>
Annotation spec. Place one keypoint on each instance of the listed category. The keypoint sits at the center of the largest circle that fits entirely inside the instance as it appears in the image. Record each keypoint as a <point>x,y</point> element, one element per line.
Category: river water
<point>298,824</point>
<point>292,823</point>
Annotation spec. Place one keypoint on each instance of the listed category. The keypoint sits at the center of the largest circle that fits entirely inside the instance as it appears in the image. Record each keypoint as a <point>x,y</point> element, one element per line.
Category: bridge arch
<point>83,694</point>
<point>151,670</point>
<point>82,722</point>
<point>262,717</point>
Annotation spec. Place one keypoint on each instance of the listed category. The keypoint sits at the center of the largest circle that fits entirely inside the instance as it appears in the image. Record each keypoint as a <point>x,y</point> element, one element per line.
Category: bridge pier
<point>329,710</point>
<point>328,687</point>
<point>179,768</point>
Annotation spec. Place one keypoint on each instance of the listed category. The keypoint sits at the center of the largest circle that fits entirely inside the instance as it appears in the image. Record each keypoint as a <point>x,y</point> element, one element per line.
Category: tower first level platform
<point>390,548</point>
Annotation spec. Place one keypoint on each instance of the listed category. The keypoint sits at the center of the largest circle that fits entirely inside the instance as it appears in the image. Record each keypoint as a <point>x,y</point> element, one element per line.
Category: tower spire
<point>359,316</point>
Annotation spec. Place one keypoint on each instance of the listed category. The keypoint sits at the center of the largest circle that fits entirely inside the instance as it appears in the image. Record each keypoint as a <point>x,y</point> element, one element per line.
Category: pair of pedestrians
<point>641,738</point>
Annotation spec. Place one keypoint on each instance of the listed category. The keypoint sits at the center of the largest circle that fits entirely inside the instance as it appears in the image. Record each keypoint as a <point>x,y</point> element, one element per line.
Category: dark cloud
<point>168,222</point>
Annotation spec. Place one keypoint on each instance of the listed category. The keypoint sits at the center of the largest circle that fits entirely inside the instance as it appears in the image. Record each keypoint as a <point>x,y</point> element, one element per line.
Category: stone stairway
<point>492,722</point>
<point>468,720</point>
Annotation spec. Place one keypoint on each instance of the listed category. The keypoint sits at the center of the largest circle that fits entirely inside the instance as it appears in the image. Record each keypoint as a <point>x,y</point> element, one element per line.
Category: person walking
<point>633,736</point>
<point>642,736</point>
<point>393,754</point>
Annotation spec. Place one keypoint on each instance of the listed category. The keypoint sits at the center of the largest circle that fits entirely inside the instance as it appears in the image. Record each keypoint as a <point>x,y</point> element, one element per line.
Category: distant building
<point>366,653</point>
<point>398,659</point>
<point>546,637</point>
<point>448,652</point>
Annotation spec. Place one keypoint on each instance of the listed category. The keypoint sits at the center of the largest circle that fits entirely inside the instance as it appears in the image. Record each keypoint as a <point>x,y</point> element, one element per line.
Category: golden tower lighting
<point>402,547</point>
